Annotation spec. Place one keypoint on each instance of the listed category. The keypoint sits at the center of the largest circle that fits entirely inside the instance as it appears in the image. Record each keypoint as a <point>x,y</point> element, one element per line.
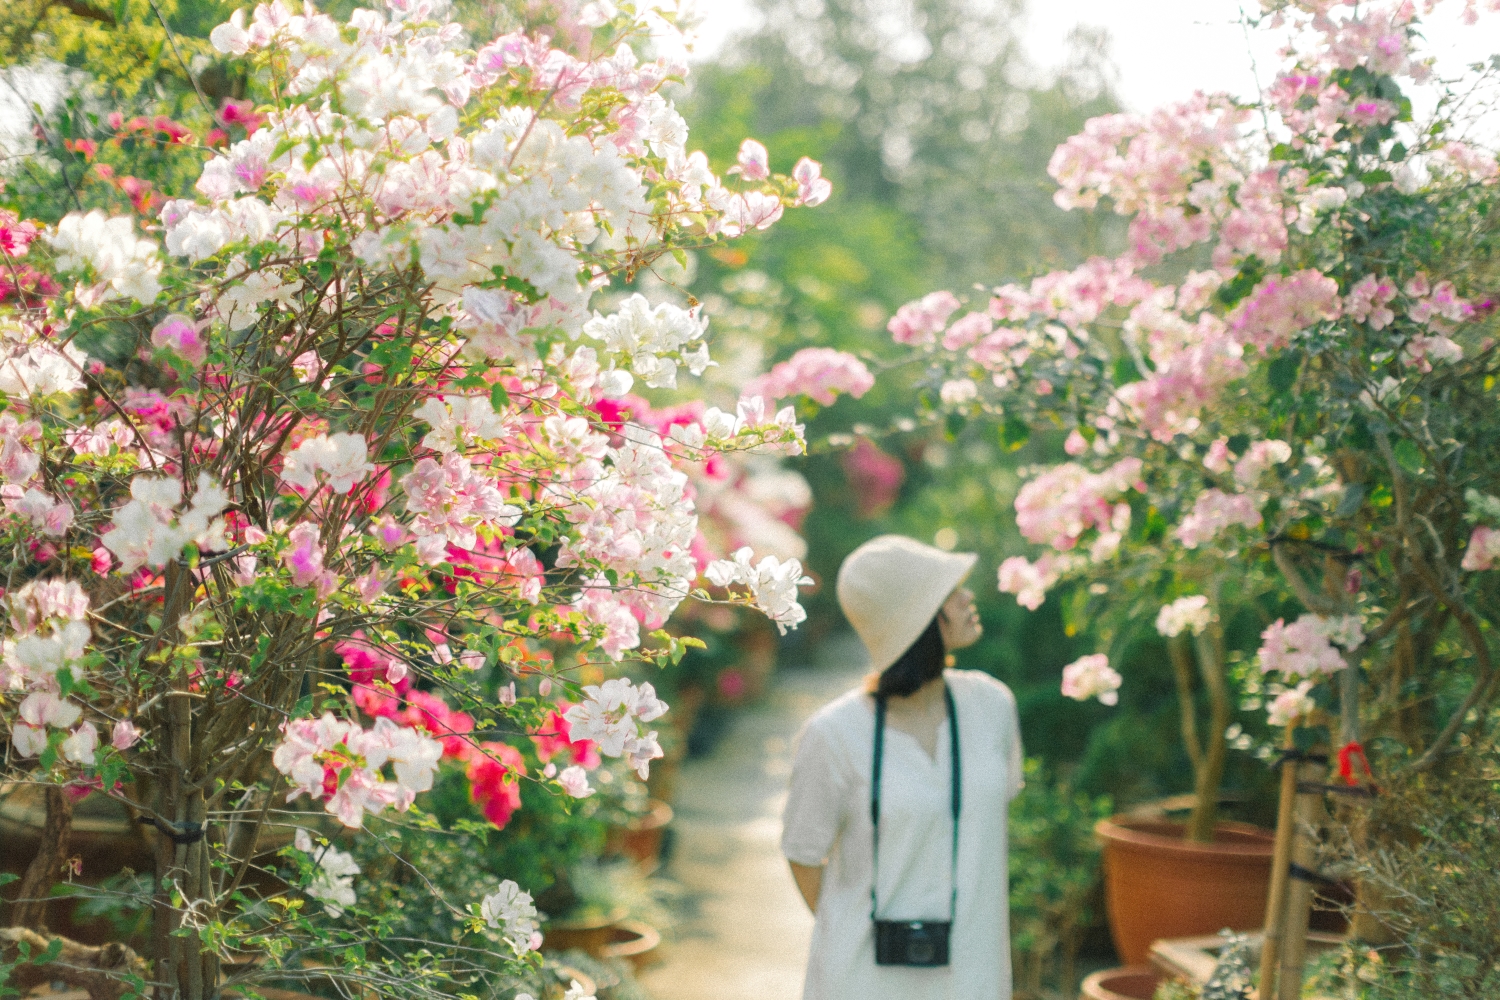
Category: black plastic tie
<point>1298,757</point>
<point>1318,788</point>
<point>184,833</point>
<point>1301,874</point>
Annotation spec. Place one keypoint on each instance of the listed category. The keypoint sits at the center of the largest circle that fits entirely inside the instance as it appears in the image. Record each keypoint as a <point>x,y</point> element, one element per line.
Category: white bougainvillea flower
<point>333,884</point>
<point>509,909</point>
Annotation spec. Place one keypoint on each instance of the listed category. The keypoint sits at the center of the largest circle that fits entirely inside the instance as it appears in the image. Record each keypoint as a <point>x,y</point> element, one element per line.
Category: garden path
<point>744,933</point>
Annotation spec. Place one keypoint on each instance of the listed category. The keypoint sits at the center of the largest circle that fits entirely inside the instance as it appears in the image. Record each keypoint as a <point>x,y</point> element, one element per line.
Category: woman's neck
<point>926,698</point>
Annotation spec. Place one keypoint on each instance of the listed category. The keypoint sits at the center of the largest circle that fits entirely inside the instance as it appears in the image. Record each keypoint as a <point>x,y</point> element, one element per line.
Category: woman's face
<point>958,620</point>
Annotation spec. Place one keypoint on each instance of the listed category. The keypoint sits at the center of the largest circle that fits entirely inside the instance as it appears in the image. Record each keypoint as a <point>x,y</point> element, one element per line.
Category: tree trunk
<point>30,907</point>
<point>1211,774</point>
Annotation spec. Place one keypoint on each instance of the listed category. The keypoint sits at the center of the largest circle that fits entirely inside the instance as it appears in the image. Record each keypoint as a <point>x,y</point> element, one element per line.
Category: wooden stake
<point>1280,865</point>
<point>1309,814</point>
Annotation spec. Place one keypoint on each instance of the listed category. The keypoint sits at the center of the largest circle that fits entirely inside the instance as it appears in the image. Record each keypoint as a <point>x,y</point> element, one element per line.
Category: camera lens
<point>920,949</point>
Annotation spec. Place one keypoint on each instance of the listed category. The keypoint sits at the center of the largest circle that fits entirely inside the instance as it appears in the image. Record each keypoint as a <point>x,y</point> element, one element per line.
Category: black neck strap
<point>955,797</point>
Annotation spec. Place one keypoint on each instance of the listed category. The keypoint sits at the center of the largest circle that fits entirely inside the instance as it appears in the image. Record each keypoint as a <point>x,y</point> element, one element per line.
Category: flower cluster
<point>1091,677</point>
<point>121,263</point>
<point>1213,513</point>
<point>613,715</point>
<point>510,910</point>
<point>341,458</point>
<point>340,763</point>
<point>1292,704</point>
<point>1057,507</point>
<point>653,342</point>
<point>150,531</point>
<point>333,882</point>
<point>1483,551</point>
<point>1305,648</point>
<point>819,373</point>
<point>772,584</point>
<point>1186,614</point>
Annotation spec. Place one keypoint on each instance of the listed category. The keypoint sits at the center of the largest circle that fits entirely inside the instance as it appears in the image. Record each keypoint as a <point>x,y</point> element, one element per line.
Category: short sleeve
<point>814,807</point>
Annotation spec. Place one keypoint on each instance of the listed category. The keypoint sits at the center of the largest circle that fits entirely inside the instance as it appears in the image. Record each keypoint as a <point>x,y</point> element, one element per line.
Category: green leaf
<point>1237,444</point>
<point>1380,496</point>
<point>1371,177</point>
<point>1014,434</point>
<point>1282,373</point>
<point>6,878</point>
<point>1125,371</point>
<point>1075,611</point>
<point>1351,501</point>
<point>54,948</point>
<point>1409,456</point>
<point>1242,284</point>
<point>953,424</point>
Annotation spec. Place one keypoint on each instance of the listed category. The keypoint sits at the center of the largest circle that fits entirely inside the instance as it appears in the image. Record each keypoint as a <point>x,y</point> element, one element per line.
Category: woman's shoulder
<point>840,714</point>
<point>978,684</point>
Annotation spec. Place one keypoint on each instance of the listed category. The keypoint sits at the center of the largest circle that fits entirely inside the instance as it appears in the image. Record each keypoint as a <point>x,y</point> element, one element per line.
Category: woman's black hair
<point>923,661</point>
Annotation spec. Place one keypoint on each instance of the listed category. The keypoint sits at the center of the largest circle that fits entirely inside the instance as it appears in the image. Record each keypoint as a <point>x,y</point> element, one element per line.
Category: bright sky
<point>1163,49</point>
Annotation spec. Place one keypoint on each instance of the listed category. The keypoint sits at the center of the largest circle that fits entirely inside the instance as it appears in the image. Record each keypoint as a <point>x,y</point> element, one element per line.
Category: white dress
<point>828,820</point>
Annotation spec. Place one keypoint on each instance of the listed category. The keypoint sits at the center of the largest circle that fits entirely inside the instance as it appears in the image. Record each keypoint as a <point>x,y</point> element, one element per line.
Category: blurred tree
<point>936,133</point>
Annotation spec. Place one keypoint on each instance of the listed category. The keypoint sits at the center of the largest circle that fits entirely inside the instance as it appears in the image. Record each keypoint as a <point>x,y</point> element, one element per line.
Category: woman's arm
<point>809,880</point>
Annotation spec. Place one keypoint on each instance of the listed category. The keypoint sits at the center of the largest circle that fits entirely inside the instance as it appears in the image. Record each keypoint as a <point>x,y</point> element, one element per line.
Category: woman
<point>906,602</point>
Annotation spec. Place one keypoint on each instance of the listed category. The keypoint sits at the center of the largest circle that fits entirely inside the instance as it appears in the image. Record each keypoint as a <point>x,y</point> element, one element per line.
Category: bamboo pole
<point>1280,866</point>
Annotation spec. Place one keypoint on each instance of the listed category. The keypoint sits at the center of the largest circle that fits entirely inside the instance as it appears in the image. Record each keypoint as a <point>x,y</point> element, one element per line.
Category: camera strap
<point>955,797</point>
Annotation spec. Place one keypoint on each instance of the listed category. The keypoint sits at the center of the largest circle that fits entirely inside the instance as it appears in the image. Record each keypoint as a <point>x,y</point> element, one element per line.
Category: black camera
<point>911,942</point>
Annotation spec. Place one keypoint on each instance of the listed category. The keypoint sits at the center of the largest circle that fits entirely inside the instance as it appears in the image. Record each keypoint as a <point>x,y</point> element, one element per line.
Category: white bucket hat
<point>892,587</point>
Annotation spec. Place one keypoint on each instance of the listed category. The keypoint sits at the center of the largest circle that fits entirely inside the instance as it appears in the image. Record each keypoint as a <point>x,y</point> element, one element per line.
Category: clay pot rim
<point>646,938</point>
<point>658,815</point>
<point>1095,981</point>
<point>610,919</point>
<point>1121,829</point>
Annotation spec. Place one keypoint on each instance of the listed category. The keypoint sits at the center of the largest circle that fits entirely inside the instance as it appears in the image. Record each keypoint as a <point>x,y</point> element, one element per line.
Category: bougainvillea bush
<point>314,486</point>
<point>1281,395</point>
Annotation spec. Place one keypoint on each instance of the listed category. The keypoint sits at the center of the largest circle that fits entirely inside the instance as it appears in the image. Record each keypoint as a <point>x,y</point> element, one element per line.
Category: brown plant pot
<point>634,941</point>
<point>1135,982</point>
<point>641,838</point>
<point>591,934</point>
<point>1158,885</point>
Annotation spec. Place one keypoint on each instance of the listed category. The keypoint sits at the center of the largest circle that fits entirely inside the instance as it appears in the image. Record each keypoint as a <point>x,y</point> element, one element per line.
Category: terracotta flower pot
<point>641,838</point>
<point>1130,983</point>
<point>1158,885</point>
<point>590,933</point>
<point>634,941</point>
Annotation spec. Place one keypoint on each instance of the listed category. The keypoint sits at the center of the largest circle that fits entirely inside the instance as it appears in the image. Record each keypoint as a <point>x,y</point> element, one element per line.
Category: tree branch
<point>30,907</point>
<point>1311,599</point>
<point>105,972</point>
<point>1182,666</point>
<point>80,9</point>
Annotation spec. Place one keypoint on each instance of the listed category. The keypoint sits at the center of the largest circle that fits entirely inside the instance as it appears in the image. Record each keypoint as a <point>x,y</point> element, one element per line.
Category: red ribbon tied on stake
<point>1347,755</point>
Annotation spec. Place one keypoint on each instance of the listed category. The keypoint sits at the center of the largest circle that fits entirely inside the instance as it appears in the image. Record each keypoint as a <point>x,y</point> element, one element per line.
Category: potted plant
<point>1279,397</point>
